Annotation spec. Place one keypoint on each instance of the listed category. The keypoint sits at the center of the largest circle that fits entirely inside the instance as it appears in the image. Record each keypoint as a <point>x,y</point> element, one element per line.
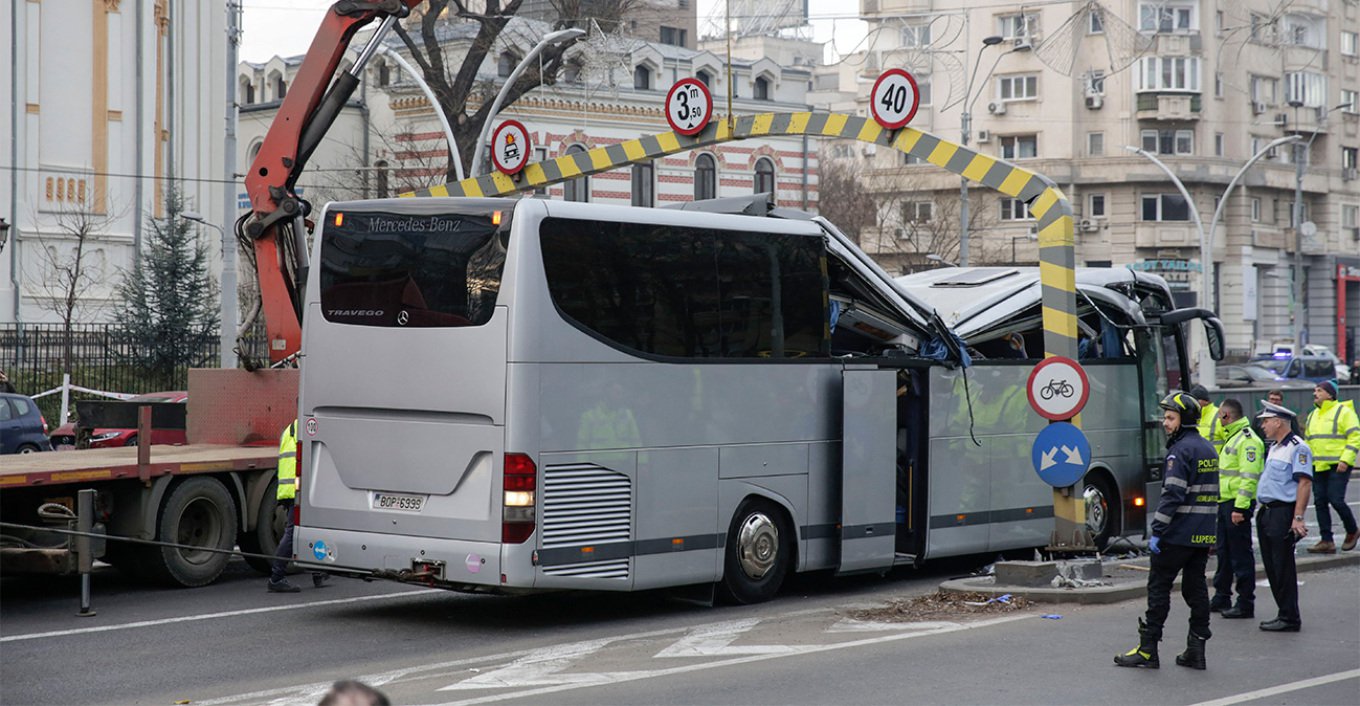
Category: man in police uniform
<point>1283,493</point>
<point>287,494</point>
<point>1183,532</point>
<point>1239,469</point>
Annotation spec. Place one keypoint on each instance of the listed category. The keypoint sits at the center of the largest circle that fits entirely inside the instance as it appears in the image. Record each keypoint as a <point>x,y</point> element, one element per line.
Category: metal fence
<point>99,357</point>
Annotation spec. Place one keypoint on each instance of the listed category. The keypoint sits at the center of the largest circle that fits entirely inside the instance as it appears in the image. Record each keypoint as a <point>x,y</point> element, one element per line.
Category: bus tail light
<point>520,483</point>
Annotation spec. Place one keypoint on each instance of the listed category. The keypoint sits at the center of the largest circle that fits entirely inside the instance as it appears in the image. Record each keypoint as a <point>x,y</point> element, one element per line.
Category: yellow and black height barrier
<point>1048,204</point>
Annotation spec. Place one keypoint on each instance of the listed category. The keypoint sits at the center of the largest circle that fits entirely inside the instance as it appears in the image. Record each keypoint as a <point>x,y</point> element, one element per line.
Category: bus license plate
<point>398,501</point>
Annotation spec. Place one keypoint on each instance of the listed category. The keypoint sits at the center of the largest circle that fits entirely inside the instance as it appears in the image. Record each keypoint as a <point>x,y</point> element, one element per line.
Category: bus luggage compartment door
<point>868,470</point>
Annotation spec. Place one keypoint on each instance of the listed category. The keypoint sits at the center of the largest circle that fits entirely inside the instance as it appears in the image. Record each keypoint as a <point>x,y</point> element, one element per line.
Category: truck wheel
<point>759,551</point>
<point>264,539</point>
<point>198,512</point>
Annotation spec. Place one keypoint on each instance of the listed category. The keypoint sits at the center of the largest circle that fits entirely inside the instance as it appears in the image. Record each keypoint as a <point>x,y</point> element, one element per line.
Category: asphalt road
<point>233,643</point>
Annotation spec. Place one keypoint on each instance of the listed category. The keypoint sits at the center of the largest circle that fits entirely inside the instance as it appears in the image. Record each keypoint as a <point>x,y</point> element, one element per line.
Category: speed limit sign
<point>689,106</point>
<point>894,99</point>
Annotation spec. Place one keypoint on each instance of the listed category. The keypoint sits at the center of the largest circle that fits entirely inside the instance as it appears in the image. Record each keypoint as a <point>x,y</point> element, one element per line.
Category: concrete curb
<point>1121,589</point>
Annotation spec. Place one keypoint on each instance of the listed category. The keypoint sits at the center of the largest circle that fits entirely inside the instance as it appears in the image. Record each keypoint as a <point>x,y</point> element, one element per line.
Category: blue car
<point>22,427</point>
<point>1313,368</point>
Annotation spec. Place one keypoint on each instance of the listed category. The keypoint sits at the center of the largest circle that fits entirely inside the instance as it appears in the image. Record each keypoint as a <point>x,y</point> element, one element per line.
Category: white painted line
<point>213,616</point>
<point>1282,689</point>
<point>603,678</point>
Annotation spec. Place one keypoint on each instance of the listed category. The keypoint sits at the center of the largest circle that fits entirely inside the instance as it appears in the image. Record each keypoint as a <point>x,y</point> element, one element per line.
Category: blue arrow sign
<point>1061,454</point>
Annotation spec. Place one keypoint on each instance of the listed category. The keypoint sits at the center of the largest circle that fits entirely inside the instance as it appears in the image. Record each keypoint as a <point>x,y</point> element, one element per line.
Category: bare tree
<point>71,270</point>
<point>842,198</point>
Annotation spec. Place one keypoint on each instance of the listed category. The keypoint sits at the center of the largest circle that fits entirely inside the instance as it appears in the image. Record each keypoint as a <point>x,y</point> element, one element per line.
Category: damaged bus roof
<point>983,302</point>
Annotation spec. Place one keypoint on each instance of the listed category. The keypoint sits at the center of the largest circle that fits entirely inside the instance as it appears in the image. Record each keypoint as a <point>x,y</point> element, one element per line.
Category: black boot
<point>1145,654</point>
<point>1193,656</point>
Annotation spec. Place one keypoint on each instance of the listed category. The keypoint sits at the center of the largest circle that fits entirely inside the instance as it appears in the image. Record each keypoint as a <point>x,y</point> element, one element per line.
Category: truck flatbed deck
<point>58,467</point>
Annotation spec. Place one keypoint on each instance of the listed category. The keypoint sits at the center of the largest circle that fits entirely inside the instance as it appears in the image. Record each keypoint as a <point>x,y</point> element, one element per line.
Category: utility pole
<point>228,230</point>
<point>1300,154</point>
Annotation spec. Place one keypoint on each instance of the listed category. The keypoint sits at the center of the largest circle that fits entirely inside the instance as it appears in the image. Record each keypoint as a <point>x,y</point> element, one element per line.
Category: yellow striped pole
<point>1048,204</point>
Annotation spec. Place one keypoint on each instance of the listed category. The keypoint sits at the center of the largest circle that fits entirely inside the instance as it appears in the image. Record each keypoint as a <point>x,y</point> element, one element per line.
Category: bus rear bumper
<point>446,563</point>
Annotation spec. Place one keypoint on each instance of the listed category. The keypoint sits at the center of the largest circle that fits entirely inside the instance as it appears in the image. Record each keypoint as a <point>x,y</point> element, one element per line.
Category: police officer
<point>1239,469</point>
<point>287,494</point>
<point>1182,534</point>
<point>1283,493</point>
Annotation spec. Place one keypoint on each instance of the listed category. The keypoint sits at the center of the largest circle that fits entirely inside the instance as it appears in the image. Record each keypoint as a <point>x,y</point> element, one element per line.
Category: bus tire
<point>759,553</point>
<point>198,512</point>
<point>1102,509</point>
<point>264,539</point>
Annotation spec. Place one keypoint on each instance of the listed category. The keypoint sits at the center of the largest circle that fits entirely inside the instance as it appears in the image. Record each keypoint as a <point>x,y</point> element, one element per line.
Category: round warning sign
<point>894,99</point>
<point>1058,388</point>
<point>510,147</point>
<point>689,106</point>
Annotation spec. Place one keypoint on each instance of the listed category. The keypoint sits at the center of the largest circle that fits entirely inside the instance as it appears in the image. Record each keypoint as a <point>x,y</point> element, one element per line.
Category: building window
<point>910,159</point>
<point>1095,83</point>
<point>1017,88</point>
<point>1260,27</point>
<point>1350,43</point>
<point>760,89</point>
<point>1168,73</point>
<point>540,155</point>
<point>1096,20</point>
<point>764,181</point>
<point>577,189</point>
<point>506,63</point>
<point>1350,216</point>
<point>917,211</point>
<point>705,177</point>
<point>644,185</point>
<point>280,87</point>
<point>704,78</point>
<point>1255,209</point>
<point>1164,17</point>
<point>1305,86</point>
<point>1350,99</point>
<point>1264,90</point>
<point>1302,31</point>
<point>1179,142</point>
<point>1019,146</point>
<point>1350,157</point>
<point>1095,205</point>
<point>1019,26</point>
<point>915,36</point>
<point>1095,144</point>
<point>1218,84</point>
<point>1014,210</point>
<point>673,36</point>
<point>642,78</point>
<point>1218,144</point>
<point>1165,207</point>
<point>384,73</point>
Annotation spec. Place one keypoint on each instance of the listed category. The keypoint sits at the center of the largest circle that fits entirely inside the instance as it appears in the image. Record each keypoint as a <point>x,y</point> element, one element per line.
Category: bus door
<point>1171,355</point>
<point>868,470</point>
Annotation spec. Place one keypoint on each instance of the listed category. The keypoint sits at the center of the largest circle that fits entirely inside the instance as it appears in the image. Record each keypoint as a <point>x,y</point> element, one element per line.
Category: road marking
<point>578,680</point>
<point>716,640</point>
<point>212,616</point>
<point>1281,689</point>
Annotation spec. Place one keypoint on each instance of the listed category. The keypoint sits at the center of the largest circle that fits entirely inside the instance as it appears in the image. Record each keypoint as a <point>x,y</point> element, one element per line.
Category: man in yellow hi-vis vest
<point>1333,432</point>
<point>287,495</point>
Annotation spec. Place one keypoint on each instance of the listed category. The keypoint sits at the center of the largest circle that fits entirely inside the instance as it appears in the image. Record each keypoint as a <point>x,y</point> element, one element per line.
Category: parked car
<point>1285,350</point>
<point>64,437</point>
<point>1313,368</point>
<point>23,430</point>
<point>1231,376</point>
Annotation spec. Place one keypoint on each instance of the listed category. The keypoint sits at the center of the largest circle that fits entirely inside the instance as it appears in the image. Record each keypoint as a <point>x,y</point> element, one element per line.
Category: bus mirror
<point>1213,332</point>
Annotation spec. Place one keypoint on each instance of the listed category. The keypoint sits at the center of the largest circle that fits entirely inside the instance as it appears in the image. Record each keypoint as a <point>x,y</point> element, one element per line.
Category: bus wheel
<point>759,550</point>
<point>1102,516</point>
<point>200,514</point>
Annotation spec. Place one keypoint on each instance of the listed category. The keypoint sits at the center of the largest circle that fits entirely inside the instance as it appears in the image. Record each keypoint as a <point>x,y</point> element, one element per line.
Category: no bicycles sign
<point>1058,388</point>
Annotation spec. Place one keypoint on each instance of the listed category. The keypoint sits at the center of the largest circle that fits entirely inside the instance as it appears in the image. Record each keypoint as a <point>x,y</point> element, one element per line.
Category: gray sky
<point>286,27</point>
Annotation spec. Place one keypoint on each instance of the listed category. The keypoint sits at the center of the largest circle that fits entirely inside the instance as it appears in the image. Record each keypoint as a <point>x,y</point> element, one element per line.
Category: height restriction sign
<point>894,99</point>
<point>510,147</point>
<point>689,106</point>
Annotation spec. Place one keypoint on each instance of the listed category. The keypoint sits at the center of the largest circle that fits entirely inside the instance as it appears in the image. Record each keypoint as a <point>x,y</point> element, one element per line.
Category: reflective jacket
<point>1211,427</point>
<point>1333,433</point>
<point>1240,464</point>
<point>288,463</point>
<point>1187,513</point>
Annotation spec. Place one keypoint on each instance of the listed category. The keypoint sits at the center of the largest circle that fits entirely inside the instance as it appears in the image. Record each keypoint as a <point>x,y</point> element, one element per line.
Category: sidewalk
<point>1123,579</point>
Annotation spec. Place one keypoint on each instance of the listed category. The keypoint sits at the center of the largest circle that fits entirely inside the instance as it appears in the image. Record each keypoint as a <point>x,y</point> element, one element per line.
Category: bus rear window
<point>405,270</point>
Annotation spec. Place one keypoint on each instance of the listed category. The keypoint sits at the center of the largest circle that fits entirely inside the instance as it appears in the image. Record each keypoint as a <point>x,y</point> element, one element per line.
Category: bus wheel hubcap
<point>757,545</point>
<point>1095,510</point>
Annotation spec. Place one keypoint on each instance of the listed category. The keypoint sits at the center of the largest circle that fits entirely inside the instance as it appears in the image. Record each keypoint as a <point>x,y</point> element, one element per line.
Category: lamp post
<point>410,71</point>
<point>228,325</point>
<point>1206,287</point>
<point>1027,236</point>
<point>966,127</point>
<point>548,39</point>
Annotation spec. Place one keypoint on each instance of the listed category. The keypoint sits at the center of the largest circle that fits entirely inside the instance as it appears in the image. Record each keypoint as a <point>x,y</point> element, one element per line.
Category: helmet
<point>1182,403</point>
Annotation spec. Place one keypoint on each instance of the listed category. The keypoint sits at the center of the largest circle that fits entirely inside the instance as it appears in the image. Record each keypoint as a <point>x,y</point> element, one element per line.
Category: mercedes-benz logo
<point>403,318</point>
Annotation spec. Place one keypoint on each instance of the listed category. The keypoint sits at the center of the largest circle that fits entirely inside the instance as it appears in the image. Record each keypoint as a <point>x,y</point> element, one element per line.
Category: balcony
<point>1178,44</point>
<point>1298,57</point>
<point>1178,107</point>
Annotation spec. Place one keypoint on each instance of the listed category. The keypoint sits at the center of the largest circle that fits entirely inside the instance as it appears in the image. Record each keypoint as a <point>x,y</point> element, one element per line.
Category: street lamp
<point>966,125</point>
<point>410,71</point>
<point>548,39</point>
<point>1027,236</point>
<point>1301,153</point>
<point>229,332</point>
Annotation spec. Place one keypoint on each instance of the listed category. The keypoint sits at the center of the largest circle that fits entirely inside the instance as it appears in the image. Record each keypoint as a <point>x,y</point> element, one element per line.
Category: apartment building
<point>1203,85</point>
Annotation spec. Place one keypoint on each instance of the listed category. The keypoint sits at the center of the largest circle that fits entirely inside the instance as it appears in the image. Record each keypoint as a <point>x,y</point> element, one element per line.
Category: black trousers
<point>1277,553</point>
<point>1172,560</point>
<point>1235,560</point>
<point>283,554</point>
